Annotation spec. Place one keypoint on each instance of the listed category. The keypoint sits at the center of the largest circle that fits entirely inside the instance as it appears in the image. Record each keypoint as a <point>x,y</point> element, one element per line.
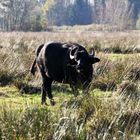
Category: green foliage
<point>20,15</point>
<point>28,15</point>
<point>62,13</point>
<point>81,13</point>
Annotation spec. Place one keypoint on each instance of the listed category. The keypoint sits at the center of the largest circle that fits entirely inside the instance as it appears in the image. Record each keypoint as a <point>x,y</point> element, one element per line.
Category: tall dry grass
<point>119,42</point>
<point>110,111</point>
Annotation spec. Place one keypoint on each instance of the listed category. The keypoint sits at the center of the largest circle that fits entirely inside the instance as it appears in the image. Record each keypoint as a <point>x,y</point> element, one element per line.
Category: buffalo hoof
<point>52,102</point>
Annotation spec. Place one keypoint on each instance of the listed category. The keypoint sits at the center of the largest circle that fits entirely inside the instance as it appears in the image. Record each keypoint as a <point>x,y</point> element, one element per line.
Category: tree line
<point>37,15</point>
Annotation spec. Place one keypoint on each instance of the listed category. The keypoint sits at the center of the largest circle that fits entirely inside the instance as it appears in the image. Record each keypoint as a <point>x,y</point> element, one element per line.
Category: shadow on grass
<point>29,89</point>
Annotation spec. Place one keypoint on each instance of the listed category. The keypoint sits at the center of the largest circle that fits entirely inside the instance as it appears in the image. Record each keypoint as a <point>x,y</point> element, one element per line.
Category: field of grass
<point>111,111</point>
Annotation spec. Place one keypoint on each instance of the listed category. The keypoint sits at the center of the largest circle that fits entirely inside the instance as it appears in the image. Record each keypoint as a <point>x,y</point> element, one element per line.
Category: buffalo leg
<point>46,89</point>
<point>43,98</point>
<point>48,84</point>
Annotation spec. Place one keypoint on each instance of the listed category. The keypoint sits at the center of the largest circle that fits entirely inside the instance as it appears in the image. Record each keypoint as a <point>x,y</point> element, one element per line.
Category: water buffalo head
<point>83,60</point>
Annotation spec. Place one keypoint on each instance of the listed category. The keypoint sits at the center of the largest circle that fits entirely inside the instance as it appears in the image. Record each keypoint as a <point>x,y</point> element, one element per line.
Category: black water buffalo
<point>65,63</point>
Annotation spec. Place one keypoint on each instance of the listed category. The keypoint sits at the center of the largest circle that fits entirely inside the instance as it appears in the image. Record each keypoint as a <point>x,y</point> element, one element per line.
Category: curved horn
<point>92,52</point>
<point>72,52</point>
<point>71,56</point>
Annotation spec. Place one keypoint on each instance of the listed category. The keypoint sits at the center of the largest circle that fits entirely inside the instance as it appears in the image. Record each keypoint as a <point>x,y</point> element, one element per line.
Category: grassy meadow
<point>111,110</point>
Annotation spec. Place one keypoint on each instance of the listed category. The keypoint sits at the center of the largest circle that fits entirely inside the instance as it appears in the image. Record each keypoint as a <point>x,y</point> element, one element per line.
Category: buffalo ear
<point>93,60</point>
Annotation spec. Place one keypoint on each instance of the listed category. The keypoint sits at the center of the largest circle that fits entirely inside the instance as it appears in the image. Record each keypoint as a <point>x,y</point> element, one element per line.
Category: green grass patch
<point>112,56</point>
<point>96,115</point>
